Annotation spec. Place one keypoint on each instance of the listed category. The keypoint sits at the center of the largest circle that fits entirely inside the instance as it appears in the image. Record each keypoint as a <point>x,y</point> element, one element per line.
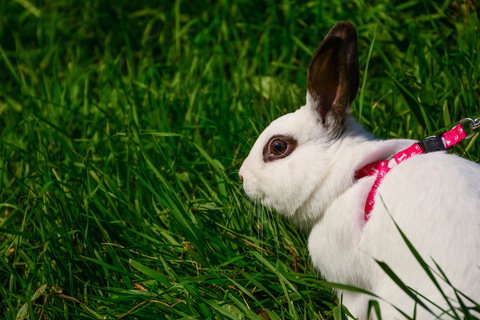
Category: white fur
<point>434,198</point>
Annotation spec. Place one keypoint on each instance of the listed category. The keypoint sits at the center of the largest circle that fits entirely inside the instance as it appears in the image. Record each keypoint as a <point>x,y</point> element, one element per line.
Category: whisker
<point>236,160</point>
<point>249,212</point>
<point>237,189</point>
<point>235,171</point>
<point>275,232</point>
<point>247,142</point>
<point>263,227</point>
<point>250,118</point>
<point>243,196</point>
<point>259,98</point>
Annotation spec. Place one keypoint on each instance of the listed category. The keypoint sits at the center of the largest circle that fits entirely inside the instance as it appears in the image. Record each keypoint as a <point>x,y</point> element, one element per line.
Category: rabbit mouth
<point>254,196</point>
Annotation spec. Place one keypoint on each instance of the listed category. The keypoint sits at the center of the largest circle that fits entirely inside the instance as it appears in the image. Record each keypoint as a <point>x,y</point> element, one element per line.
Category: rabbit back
<point>434,199</point>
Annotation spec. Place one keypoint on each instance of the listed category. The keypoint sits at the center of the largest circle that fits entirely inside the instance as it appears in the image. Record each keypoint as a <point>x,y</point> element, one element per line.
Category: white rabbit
<point>303,165</point>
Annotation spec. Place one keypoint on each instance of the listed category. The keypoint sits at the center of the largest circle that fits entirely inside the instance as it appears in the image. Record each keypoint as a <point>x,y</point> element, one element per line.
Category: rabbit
<point>303,165</point>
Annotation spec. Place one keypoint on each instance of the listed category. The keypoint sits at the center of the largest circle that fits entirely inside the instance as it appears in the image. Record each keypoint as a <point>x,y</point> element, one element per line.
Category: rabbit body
<point>434,201</point>
<point>303,165</point>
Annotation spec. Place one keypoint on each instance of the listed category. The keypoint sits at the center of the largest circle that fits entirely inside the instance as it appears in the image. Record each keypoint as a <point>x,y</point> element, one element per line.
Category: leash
<point>440,142</point>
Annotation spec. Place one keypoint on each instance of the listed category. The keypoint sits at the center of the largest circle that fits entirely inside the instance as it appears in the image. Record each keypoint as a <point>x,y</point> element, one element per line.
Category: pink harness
<point>442,141</point>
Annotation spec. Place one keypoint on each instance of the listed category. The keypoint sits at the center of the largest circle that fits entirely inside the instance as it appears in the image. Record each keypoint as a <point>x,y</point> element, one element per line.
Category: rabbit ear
<point>333,74</point>
<point>347,32</point>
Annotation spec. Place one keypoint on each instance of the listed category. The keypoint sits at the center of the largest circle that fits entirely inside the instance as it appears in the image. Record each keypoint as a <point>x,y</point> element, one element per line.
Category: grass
<point>124,123</point>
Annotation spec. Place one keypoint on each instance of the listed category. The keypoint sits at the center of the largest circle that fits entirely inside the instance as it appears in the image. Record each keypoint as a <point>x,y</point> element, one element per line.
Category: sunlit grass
<point>123,126</point>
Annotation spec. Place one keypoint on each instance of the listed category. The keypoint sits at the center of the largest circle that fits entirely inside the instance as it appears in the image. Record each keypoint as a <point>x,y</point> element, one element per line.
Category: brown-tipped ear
<point>333,73</point>
<point>347,32</point>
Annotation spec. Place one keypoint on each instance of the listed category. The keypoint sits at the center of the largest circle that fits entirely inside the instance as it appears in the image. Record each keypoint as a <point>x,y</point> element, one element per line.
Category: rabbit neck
<point>353,149</point>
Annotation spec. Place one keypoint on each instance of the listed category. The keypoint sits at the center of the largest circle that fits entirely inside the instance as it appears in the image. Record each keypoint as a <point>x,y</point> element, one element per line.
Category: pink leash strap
<point>440,142</point>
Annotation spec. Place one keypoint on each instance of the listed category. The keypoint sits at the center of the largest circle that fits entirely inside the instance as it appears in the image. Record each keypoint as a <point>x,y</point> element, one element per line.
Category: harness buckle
<point>433,143</point>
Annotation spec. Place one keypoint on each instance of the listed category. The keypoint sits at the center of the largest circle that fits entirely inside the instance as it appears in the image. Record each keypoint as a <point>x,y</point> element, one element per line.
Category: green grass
<point>124,123</point>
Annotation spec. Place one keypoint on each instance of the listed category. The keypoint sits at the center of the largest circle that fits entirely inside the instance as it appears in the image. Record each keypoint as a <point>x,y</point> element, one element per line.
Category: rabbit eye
<point>278,147</point>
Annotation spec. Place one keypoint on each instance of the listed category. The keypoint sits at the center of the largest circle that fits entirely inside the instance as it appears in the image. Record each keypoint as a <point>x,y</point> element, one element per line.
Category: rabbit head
<point>294,156</point>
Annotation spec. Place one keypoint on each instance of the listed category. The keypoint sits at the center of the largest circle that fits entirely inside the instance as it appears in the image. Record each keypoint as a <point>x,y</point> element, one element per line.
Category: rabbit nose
<point>242,169</point>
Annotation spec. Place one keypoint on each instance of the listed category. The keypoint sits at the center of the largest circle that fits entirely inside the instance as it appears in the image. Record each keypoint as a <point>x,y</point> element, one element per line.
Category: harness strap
<point>440,142</point>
